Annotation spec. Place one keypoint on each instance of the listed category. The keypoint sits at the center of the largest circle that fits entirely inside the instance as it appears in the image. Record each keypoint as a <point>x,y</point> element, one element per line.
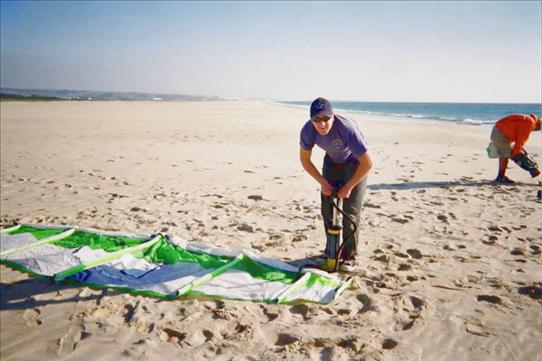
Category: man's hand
<point>326,188</point>
<point>344,192</point>
<point>363,168</point>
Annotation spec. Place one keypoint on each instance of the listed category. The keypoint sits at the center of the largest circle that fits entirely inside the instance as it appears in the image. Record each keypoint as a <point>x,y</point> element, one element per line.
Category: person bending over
<point>345,169</point>
<point>513,129</point>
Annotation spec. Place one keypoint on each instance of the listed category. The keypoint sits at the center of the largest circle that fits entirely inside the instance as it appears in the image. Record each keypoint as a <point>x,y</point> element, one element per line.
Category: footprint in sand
<point>408,325</point>
<point>69,342</point>
<point>208,335</point>
<point>476,328</point>
<point>31,316</point>
<point>344,311</point>
<point>159,196</point>
<point>302,310</point>
<point>491,240</point>
<point>246,228</point>
<point>382,258</point>
<point>354,343</point>
<point>299,238</point>
<point>535,249</point>
<point>495,229</point>
<point>137,209</point>
<point>489,298</point>
<point>169,334</point>
<point>414,253</point>
<point>417,303</point>
<point>367,303</point>
<point>399,220</point>
<point>389,344</point>
<point>285,339</point>
<point>271,316</point>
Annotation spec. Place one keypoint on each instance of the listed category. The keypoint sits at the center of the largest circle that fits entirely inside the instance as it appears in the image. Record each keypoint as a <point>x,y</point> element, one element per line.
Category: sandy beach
<point>451,264</point>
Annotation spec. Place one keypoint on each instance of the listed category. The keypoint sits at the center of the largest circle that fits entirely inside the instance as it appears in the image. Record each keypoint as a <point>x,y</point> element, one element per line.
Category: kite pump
<point>334,247</point>
<point>333,235</point>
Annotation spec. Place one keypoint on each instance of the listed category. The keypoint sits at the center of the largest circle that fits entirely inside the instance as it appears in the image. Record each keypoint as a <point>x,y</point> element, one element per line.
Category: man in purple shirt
<point>345,169</point>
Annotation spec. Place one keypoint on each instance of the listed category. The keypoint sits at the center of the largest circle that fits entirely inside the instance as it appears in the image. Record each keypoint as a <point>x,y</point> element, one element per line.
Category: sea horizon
<point>452,112</point>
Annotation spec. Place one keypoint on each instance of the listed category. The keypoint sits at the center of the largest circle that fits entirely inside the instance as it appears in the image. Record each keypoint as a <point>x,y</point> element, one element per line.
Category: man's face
<point>322,124</point>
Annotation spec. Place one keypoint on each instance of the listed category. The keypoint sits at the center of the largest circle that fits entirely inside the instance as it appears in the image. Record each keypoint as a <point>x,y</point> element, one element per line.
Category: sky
<point>366,51</point>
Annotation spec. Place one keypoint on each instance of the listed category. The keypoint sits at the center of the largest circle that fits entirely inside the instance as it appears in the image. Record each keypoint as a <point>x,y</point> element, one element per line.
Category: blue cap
<point>321,106</point>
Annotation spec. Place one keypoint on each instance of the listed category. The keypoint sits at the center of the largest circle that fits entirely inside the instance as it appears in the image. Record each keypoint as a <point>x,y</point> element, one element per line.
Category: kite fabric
<point>161,265</point>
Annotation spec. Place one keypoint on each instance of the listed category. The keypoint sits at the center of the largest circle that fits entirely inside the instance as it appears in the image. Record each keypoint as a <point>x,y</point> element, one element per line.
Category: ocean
<point>465,113</point>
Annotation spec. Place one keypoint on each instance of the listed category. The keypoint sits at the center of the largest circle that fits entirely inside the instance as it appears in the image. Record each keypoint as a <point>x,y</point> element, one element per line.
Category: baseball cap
<point>321,106</point>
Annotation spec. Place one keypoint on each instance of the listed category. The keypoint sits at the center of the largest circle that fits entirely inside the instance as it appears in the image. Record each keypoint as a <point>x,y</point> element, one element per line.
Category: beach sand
<point>450,263</point>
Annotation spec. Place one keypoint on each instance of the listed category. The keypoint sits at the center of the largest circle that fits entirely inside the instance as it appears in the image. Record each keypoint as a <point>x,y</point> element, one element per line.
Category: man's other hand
<point>326,188</point>
<point>344,192</point>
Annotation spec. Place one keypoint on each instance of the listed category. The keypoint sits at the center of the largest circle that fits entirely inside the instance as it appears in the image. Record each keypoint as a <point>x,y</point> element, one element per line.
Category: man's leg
<point>352,206</point>
<point>504,149</point>
<point>326,208</point>
<point>330,171</point>
<point>503,164</point>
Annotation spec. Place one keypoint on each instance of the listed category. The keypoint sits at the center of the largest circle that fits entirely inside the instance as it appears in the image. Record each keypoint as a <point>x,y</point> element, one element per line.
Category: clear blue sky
<point>373,51</point>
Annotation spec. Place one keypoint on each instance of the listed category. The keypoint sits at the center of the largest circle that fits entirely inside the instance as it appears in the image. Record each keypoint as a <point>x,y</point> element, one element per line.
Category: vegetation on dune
<point>7,96</point>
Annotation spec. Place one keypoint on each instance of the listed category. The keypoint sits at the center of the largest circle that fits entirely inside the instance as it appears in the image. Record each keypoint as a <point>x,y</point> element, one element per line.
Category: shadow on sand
<point>449,184</point>
<point>21,295</point>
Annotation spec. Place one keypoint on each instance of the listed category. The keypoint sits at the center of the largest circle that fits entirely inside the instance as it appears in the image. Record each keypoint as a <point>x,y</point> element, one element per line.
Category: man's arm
<point>522,136</point>
<point>363,169</point>
<point>308,165</point>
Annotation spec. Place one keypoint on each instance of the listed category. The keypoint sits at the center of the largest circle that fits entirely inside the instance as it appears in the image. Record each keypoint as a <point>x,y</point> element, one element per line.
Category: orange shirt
<point>517,128</point>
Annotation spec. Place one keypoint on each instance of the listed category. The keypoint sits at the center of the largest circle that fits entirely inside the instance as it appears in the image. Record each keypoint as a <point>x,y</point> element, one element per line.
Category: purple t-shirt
<point>343,141</point>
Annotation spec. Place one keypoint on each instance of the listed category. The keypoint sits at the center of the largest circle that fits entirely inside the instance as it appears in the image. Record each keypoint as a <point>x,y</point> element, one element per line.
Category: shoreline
<point>406,118</point>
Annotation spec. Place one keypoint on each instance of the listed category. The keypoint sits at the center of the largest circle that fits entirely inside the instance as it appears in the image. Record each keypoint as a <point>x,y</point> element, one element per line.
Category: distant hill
<point>66,94</point>
<point>7,96</point>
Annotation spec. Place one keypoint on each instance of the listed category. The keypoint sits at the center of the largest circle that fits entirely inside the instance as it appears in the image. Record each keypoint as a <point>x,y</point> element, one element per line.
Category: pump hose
<point>346,239</point>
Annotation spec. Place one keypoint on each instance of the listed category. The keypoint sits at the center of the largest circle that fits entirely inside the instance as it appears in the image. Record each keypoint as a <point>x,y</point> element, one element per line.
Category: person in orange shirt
<point>513,129</point>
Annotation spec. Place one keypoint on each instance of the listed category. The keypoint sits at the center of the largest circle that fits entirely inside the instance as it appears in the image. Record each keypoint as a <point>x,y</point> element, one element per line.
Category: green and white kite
<point>165,266</point>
